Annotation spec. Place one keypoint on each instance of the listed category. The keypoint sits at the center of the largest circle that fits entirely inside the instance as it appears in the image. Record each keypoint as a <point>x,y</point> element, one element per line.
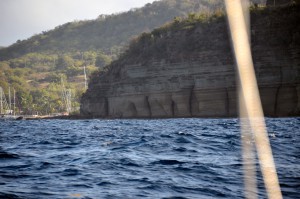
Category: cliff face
<point>189,71</point>
<point>278,2</point>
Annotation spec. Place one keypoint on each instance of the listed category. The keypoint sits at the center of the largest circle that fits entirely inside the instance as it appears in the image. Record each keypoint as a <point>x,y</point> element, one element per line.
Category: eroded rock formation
<point>194,75</point>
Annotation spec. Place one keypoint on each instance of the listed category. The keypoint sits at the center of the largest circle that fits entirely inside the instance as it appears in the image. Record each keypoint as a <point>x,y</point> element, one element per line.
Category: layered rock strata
<point>201,81</point>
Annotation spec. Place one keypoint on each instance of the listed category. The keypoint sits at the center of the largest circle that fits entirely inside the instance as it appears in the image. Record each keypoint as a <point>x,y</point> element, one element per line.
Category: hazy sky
<point>20,19</point>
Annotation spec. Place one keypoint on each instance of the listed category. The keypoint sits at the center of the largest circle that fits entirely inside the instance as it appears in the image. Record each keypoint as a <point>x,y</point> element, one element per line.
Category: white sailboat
<point>6,110</point>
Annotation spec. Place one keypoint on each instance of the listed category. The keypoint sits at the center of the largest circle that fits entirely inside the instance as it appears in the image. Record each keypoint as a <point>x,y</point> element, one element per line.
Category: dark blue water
<point>173,158</point>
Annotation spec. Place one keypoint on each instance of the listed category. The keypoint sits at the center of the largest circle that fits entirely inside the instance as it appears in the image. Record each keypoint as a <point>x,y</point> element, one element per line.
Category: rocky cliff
<point>279,2</point>
<point>186,69</point>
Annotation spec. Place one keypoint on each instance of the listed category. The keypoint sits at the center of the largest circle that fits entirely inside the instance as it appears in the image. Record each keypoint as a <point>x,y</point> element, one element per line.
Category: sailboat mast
<point>9,98</point>
<point>1,100</point>
<point>85,79</point>
<point>14,102</point>
<point>66,95</point>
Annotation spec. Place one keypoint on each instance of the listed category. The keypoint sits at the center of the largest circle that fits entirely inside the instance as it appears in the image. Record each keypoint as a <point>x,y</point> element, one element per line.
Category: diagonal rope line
<point>251,104</point>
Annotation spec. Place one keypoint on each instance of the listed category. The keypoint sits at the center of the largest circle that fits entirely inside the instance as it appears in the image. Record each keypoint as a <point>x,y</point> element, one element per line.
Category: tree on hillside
<point>89,57</point>
<point>73,71</point>
<point>25,100</point>
<point>102,60</point>
<point>64,61</point>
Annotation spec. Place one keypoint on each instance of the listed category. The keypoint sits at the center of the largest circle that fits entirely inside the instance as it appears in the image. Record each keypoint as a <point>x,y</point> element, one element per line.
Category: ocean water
<point>170,158</point>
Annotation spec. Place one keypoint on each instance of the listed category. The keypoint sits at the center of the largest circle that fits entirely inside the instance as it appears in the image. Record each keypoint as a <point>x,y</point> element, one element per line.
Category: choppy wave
<point>171,158</point>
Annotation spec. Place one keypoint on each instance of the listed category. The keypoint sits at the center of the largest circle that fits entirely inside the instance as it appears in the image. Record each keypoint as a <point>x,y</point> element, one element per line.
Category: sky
<point>21,19</point>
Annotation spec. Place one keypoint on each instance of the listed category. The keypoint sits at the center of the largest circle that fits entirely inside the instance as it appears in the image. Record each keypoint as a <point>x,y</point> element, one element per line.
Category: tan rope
<point>248,152</point>
<point>249,92</point>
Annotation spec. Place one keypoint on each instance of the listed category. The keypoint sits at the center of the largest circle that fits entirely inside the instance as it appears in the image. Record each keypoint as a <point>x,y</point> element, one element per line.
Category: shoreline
<point>80,117</point>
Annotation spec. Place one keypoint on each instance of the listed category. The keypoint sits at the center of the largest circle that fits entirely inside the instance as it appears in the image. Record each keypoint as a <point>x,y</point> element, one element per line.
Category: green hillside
<point>108,33</point>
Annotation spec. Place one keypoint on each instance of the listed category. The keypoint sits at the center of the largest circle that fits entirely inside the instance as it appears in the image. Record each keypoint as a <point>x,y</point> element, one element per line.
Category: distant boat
<point>6,111</point>
<point>11,117</point>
